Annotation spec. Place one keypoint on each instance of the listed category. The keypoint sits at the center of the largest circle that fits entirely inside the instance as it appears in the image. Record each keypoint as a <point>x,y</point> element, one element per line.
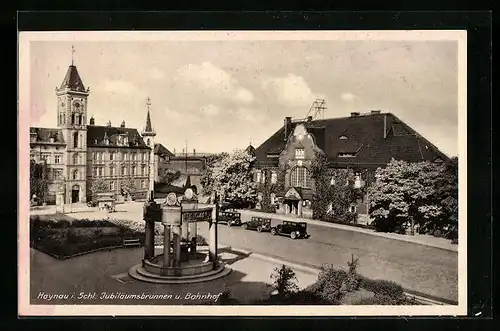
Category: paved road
<point>420,268</point>
<point>427,270</point>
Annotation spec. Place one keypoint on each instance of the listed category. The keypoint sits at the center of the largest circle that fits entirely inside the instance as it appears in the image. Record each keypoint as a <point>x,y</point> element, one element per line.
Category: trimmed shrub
<point>284,280</point>
<point>382,287</point>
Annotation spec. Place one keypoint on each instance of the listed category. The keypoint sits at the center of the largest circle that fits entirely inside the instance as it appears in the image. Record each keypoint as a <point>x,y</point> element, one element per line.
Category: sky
<point>220,95</point>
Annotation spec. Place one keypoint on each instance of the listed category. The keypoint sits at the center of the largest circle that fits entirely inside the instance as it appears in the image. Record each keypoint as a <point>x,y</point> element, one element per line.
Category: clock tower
<point>72,119</point>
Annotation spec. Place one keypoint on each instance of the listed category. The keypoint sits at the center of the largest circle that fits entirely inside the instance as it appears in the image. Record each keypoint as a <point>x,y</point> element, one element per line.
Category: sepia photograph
<point>242,173</point>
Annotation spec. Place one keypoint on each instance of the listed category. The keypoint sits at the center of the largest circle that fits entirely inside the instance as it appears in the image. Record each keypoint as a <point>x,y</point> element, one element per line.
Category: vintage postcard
<point>242,173</point>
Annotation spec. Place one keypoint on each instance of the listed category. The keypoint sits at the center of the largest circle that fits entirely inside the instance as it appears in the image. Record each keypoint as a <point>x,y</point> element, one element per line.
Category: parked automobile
<point>293,229</point>
<point>223,206</point>
<point>258,223</point>
<point>229,217</point>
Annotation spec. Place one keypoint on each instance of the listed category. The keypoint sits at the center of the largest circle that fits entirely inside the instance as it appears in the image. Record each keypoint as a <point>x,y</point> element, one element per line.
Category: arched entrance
<point>75,193</point>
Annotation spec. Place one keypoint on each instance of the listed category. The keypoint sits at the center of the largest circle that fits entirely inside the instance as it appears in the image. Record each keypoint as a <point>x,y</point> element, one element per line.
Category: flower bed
<point>63,238</point>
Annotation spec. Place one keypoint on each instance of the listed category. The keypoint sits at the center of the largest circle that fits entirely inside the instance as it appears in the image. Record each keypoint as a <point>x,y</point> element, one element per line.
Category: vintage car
<point>258,223</point>
<point>293,229</point>
<point>223,206</point>
<point>230,218</point>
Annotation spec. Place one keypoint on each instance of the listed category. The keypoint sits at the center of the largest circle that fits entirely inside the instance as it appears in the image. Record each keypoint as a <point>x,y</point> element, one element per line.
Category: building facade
<point>79,154</point>
<point>361,142</point>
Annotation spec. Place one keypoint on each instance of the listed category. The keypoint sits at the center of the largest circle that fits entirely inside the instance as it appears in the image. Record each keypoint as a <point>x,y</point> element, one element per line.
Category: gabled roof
<point>161,150</point>
<point>96,135</point>
<point>250,150</point>
<point>43,135</point>
<point>365,140</point>
<point>72,80</point>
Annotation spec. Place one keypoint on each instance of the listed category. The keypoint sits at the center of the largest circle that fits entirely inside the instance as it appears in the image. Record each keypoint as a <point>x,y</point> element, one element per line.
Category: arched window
<point>300,177</point>
<point>72,118</point>
<point>148,142</point>
<point>80,119</point>
<point>75,139</point>
<point>75,174</point>
<point>75,158</point>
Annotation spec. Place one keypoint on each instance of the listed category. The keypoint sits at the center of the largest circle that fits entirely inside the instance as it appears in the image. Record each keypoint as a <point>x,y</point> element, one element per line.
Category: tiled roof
<point>73,80</point>
<point>162,151</point>
<point>96,135</point>
<point>365,139</point>
<point>43,135</point>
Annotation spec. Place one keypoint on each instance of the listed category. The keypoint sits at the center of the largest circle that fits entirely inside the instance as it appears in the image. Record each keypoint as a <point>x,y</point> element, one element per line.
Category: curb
<point>419,297</point>
<point>355,229</point>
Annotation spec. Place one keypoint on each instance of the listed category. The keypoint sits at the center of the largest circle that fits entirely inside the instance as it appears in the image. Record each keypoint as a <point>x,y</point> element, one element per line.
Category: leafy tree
<point>207,178</point>
<point>128,186</point>
<point>170,176</point>
<point>39,185</point>
<point>284,279</point>
<point>230,177</point>
<point>413,193</point>
<point>99,185</point>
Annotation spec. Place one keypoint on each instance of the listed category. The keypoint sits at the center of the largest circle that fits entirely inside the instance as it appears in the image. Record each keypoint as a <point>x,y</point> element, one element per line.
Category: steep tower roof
<point>149,127</point>
<point>72,80</point>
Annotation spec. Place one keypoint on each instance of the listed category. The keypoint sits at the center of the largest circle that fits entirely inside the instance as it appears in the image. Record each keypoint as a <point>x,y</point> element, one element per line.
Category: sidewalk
<point>421,239</point>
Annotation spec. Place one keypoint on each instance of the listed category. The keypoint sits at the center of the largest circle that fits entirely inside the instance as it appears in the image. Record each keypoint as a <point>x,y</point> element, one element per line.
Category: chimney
<point>385,126</point>
<point>309,118</point>
<point>375,112</point>
<point>288,126</point>
<point>355,114</point>
<point>122,125</point>
<point>109,124</point>
<point>92,121</point>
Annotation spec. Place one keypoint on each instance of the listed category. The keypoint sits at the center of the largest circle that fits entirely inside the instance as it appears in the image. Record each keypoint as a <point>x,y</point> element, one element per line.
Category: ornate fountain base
<point>192,271</point>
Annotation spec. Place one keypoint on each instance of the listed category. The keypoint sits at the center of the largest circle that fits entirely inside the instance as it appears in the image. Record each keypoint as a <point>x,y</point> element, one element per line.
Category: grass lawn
<point>63,237</point>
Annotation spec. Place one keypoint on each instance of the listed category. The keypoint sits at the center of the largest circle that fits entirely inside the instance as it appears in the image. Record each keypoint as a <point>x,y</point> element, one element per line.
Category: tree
<point>412,193</point>
<point>170,176</point>
<point>284,280</point>
<point>99,185</point>
<point>39,185</point>
<point>207,178</point>
<point>230,177</point>
<point>128,186</point>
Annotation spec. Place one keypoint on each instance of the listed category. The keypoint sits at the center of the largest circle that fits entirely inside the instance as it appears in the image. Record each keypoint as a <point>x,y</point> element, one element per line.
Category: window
<point>75,174</point>
<point>58,174</point>
<point>132,156</point>
<point>112,186</point>
<point>123,171</point>
<point>94,171</point>
<point>143,183</point>
<point>75,158</point>
<point>149,142</point>
<point>101,156</point>
<point>357,180</point>
<point>75,140</point>
<point>133,170</point>
<point>45,157</point>
<point>299,153</point>
<point>94,156</point>
<point>57,159</point>
<point>112,171</point>
<point>300,177</point>
<point>124,156</point>
<point>274,177</point>
<point>332,181</point>
<point>111,156</point>
<point>258,177</point>
<point>100,171</point>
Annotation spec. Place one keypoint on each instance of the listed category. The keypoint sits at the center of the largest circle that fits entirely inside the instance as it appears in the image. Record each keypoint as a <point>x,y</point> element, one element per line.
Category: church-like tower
<point>72,119</point>
<point>149,137</point>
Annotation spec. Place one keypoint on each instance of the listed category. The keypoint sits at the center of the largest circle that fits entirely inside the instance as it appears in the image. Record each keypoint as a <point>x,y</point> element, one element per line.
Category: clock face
<point>77,105</point>
<point>171,199</point>
<point>189,193</point>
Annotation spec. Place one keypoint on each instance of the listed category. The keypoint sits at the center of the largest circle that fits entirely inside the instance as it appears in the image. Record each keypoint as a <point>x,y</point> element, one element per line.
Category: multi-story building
<point>79,154</point>
<point>361,142</point>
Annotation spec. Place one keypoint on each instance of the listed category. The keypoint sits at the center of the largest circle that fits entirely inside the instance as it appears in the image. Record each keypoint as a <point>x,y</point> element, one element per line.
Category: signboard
<point>197,215</point>
<point>292,194</point>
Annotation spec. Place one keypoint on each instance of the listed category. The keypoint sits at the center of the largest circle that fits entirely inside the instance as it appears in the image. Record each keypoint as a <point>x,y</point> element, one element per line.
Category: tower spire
<point>148,128</point>
<point>72,55</point>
